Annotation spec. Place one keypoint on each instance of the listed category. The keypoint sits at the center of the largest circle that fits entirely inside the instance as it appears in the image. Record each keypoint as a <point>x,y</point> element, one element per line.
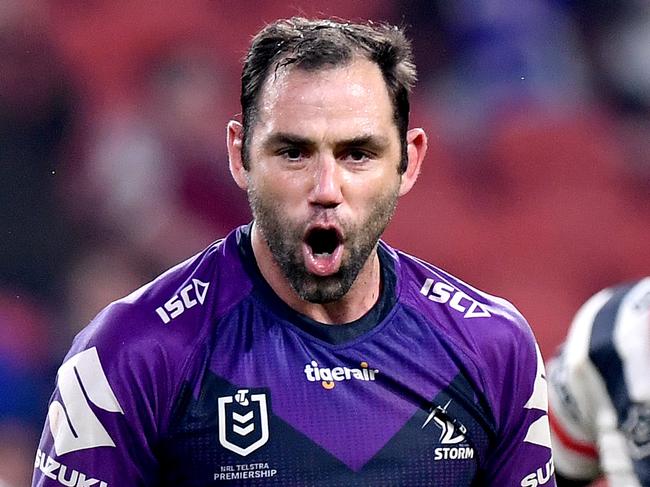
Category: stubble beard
<point>285,238</point>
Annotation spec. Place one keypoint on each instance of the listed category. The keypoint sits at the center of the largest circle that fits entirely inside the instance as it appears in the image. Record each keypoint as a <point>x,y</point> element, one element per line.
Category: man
<point>600,391</point>
<point>301,350</point>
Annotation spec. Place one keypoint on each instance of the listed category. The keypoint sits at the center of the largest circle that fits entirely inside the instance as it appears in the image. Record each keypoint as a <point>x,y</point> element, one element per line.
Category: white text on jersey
<point>183,300</point>
<point>442,292</point>
<point>68,477</point>
<point>453,453</point>
<point>329,376</point>
<point>540,477</point>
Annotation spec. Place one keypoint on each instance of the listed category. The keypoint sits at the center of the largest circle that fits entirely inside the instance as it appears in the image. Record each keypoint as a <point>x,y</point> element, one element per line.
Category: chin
<point>321,290</point>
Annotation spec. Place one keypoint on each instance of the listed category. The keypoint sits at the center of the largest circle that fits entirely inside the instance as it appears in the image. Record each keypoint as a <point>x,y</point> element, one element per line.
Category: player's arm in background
<point>572,405</point>
<point>574,445</point>
<point>600,389</point>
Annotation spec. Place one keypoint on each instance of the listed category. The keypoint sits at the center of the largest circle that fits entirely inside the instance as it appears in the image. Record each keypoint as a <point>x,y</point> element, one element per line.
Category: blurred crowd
<point>113,165</point>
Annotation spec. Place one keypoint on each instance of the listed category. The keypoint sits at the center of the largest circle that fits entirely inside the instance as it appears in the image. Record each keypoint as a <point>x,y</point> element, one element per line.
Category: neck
<point>361,297</point>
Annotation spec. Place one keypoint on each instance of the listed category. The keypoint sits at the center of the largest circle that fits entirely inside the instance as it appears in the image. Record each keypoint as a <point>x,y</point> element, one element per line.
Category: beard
<point>284,238</point>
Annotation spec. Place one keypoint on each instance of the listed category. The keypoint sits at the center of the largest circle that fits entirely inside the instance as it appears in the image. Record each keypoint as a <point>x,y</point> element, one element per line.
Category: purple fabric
<point>439,329</point>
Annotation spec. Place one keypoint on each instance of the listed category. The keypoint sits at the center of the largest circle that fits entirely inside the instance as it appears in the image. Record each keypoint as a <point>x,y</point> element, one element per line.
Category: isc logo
<point>441,292</point>
<point>189,296</point>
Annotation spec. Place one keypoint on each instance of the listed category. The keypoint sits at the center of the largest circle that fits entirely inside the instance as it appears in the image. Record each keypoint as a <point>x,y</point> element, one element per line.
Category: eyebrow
<point>282,138</point>
<point>370,141</point>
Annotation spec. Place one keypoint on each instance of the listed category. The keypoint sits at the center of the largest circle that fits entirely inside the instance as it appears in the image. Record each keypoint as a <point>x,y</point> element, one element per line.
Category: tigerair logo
<point>328,377</point>
<point>444,293</point>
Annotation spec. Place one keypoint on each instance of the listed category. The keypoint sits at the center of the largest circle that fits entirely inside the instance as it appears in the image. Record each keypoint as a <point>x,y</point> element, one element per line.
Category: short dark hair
<point>315,44</point>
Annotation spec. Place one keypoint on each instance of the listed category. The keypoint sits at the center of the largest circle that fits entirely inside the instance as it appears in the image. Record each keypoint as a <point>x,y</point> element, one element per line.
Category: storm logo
<point>450,435</point>
<point>328,377</point>
<point>453,433</point>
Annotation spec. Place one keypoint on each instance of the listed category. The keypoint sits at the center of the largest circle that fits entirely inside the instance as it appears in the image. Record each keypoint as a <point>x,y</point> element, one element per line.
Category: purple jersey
<point>205,377</point>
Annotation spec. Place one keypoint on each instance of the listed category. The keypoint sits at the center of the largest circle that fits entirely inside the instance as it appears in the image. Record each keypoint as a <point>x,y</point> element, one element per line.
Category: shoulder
<point>609,337</point>
<point>489,332</point>
<point>498,349</point>
<point>608,342</point>
<point>478,319</point>
<point>175,305</point>
<point>601,368</point>
<point>118,383</point>
<point>150,336</point>
<point>608,321</point>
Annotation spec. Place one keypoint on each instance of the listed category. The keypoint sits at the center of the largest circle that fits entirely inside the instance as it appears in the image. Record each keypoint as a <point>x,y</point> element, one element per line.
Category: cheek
<point>368,190</point>
<point>268,182</point>
<point>282,193</point>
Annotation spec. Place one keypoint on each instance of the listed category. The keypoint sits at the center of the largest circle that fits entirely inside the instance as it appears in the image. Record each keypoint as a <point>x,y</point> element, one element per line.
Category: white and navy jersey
<point>205,377</point>
<point>599,390</point>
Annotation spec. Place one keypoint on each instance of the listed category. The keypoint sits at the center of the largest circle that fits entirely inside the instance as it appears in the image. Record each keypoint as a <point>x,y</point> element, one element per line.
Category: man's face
<point>323,177</point>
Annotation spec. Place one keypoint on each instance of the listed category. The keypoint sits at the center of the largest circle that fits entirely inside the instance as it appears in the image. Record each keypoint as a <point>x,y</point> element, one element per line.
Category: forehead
<point>331,101</point>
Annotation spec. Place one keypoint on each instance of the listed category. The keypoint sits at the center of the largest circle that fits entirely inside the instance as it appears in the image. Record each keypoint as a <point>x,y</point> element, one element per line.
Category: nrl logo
<point>243,422</point>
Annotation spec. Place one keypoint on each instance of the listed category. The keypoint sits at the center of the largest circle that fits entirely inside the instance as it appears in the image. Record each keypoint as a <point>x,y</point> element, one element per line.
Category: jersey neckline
<point>333,334</point>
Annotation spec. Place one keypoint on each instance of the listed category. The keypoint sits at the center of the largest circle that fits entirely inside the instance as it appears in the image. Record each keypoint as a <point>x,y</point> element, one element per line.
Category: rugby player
<point>302,349</point>
<point>599,391</point>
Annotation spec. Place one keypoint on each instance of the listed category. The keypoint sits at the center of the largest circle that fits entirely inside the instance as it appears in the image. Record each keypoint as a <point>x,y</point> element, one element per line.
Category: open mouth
<point>323,241</point>
<point>323,250</point>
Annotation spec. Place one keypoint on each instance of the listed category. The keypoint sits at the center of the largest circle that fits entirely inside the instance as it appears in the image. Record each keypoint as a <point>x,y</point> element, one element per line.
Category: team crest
<point>452,432</point>
<point>243,422</point>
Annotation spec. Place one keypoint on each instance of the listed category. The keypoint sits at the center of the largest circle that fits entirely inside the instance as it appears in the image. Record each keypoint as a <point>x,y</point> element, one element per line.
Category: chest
<point>287,410</point>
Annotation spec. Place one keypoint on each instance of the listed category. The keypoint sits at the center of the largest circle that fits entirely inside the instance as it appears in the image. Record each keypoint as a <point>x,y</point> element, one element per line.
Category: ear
<point>235,156</point>
<point>416,148</point>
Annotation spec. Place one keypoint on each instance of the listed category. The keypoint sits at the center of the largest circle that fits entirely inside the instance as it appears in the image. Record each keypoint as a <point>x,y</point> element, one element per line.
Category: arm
<point>573,406</point>
<point>598,389</point>
<point>574,444</point>
<point>102,420</point>
<point>514,382</point>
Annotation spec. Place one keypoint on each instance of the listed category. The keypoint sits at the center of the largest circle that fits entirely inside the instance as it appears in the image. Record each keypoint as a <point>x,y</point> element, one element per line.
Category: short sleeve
<point>518,394</point>
<point>572,434</point>
<point>103,417</point>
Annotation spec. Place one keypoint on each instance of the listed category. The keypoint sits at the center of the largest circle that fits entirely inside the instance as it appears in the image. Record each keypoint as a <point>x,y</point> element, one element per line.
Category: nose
<point>327,190</point>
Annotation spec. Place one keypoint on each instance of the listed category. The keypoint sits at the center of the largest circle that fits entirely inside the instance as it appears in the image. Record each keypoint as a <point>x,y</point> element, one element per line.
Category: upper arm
<point>522,454</point>
<point>575,392</point>
<point>105,415</point>
<point>572,433</point>
<point>98,425</point>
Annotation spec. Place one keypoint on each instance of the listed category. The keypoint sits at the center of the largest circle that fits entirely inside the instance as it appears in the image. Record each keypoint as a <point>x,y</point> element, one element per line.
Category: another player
<point>599,391</point>
<point>301,349</point>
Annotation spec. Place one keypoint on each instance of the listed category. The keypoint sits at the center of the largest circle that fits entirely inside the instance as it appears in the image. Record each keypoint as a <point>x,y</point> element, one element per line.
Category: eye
<point>292,154</point>
<point>357,156</point>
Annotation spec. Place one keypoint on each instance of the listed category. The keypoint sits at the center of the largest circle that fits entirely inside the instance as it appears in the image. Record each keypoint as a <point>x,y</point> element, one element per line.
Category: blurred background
<point>113,164</point>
